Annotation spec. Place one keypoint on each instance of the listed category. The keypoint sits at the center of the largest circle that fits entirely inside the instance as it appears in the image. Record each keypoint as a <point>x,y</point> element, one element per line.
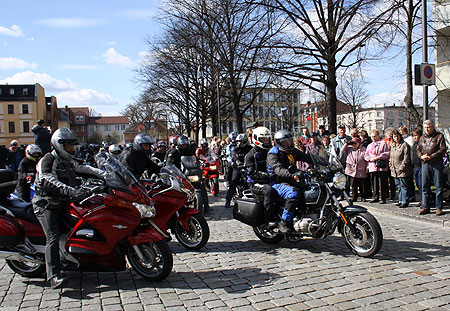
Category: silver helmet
<point>143,138</point>
<point>63,137</point>
<point>33,152</point>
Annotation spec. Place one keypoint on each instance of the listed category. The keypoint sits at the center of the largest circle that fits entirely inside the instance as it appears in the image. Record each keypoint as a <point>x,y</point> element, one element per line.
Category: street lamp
<point>218,105</point>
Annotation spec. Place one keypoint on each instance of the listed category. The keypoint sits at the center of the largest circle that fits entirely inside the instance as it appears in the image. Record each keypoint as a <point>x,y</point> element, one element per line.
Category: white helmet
<point>31,151</point>
<point>262,137</point>
<point>64,136</point>
<point>114,149</point>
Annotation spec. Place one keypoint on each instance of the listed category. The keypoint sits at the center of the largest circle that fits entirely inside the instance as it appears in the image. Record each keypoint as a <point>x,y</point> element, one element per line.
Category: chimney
<point>308,103</point>
<point>66,108</point>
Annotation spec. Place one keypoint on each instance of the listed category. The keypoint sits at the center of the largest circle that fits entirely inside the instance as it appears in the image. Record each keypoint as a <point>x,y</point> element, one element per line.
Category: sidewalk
<point>412,211</point>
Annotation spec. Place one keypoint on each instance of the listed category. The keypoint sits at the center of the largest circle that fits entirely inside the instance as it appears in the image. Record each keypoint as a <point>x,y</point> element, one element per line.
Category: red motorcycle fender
<point>146,234</point>
<point>183,218</point>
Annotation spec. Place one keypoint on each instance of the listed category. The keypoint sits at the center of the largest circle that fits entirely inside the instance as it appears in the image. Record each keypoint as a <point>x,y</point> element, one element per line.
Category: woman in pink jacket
<point>378,170</point>
<point>356,168</point>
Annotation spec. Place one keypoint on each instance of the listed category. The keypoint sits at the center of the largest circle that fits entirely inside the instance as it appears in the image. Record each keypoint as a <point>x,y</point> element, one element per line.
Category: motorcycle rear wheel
<point>159,260</point>
<point>369,237</point>
<point>27,269</point>
<point>267,236</point>
<point>198,234</point>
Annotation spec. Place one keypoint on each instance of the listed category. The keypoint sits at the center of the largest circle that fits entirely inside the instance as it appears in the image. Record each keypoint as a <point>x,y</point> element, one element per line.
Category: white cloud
<point>111,43</point>
<point>70,22</point>
<point>51,85</point>
<point>85,97</point>
<point>66,91</point>
<point>76,67</point>
<point>7,63</point>
<point>14,31</point>
<point>111,56</point>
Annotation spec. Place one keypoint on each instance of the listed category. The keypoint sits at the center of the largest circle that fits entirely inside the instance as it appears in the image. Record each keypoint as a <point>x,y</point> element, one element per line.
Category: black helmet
<point>182,140</point>
<point>232,136</point>
<point>161,143</point>
<point>242,140</point>
<point>143,138</point>
<point>204,142</point>
<point>61,137</point>
<point>284,140</point>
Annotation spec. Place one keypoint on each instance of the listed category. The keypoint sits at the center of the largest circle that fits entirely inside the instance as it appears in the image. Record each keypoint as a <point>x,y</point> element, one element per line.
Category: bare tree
<point>352,92</point>
<point>329,36</point>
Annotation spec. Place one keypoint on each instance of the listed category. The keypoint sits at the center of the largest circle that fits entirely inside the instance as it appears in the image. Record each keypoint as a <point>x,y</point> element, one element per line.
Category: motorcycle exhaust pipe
<point>18,256</point>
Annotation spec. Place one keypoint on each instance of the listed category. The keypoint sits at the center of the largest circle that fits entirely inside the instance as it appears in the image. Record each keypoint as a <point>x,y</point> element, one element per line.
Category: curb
<point>409,212</point>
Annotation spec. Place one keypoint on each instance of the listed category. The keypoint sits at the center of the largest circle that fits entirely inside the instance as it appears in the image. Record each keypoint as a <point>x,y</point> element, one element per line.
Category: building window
<point>83,128</point>
<point>11,91</point>
<point>107,127</point>
<point>117,127</point>
<point>25,91</point>
<point>378,114</point>
<point>26,126</point>
<point>12,127</point>
<point>10,109</point>
<point>1,91</point>
<point>79,118</point>
<point>25,109</point>
<point>123,127</point>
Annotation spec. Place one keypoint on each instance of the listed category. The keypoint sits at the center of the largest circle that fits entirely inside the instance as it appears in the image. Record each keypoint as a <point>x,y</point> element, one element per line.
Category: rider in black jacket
<point>280,158</point>
<point>137,158</point>
<point>257,176</point>
<point>238,158</point>
<point>27,171</point>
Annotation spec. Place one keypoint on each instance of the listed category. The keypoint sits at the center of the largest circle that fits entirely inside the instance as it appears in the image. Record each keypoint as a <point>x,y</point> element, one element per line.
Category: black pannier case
<point>249,212</point>
<point>7,183</point>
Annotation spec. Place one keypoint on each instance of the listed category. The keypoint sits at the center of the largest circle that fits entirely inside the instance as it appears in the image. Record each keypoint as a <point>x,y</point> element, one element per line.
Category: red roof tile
<point>108,120</point>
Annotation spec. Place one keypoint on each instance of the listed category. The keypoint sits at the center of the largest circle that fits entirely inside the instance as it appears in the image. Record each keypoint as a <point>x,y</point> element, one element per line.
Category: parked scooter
<point>97,234</point>
<point>191,168</point>
<point>173,189</point>
<point>211,166</point>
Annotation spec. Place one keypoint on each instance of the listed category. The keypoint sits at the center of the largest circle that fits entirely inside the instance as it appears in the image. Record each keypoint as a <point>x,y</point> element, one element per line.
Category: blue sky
<point>84,52</point>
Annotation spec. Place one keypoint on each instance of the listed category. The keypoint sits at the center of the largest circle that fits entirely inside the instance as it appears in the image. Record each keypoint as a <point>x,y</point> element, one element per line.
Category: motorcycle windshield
<point>118,176</point>
<point>210,159</point>
<point>189,162</point>
<point>172,170</point>
<point>332,162</point>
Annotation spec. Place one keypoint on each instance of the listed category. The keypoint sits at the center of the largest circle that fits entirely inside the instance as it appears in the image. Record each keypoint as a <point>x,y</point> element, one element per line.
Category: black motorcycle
<point>323,214</point>
<point>191,168</point>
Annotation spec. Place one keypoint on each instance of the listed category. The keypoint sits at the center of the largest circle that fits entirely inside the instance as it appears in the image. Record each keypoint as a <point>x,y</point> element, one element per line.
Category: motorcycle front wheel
<point>157,260</point>
<point>267,236</point>
<point>198,234</point>
<point>27,269</point>
<point>368,238</point>
<point>214,186</point>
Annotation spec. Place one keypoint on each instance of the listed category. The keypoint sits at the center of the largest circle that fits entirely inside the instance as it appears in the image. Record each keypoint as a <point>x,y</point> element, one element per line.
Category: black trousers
<point>270,196</point>
<point>392,189</point>
<point>359,186</point>
<point>50,220</point>
<point>379,184</point>
<point>235,176</point>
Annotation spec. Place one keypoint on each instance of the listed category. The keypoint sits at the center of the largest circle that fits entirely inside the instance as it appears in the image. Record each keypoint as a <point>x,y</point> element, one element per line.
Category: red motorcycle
<point>211,166</point>
<point>97,234</point>
<point>183,219</point>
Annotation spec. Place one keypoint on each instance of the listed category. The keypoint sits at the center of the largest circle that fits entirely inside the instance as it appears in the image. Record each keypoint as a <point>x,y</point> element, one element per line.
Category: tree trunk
<point>331,97</point>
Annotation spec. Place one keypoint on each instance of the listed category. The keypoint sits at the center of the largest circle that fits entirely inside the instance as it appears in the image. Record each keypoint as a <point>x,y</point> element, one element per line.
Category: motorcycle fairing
<point>183,218</point>
<point>145,235</point>
<point>165,206</point>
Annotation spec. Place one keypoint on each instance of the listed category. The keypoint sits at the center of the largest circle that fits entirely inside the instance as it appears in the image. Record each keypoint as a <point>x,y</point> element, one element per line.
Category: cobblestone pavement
<point>235,271</point>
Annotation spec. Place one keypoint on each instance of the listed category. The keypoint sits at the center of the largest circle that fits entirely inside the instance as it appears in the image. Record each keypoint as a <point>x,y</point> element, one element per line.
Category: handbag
<point>381,163</point>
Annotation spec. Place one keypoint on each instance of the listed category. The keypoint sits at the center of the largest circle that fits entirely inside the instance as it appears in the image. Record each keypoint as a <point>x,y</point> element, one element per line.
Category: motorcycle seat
<point>22,210</point>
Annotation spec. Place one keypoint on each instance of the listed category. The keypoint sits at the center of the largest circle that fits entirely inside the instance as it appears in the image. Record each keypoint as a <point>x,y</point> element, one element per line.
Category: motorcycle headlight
<point>147,211</point>
<point>339,181</point>
<point>194,178</point>
<point>213,167</point>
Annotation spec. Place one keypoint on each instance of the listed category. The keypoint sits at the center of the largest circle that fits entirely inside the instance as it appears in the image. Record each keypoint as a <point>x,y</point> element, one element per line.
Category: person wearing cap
<point>338,142</point>
<point>322,132</point>
<point>356,168</point>
<point>42,136</point>
<point>15,156</point>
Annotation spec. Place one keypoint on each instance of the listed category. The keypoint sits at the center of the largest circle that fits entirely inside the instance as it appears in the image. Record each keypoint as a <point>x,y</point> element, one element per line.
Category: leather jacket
<point>432,145</point>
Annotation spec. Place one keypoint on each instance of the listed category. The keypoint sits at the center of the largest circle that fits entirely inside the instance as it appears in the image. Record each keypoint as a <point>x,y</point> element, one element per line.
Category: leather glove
<point>81,194</point>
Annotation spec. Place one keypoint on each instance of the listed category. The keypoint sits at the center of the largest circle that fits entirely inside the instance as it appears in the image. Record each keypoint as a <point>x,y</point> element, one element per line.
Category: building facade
<point>441,24</point>
<point>21,106</point>
<point>110,128</point>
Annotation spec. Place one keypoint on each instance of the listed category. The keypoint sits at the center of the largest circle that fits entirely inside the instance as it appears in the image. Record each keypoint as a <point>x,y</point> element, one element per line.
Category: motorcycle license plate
<point>213,167</point>
<point>194,178</point>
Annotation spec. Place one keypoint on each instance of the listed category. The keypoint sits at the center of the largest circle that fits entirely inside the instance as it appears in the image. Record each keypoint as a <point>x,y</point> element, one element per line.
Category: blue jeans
<point>403,188</point>
<point>418,179</point>
<point>292,197</point>
<point>432,173</point>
